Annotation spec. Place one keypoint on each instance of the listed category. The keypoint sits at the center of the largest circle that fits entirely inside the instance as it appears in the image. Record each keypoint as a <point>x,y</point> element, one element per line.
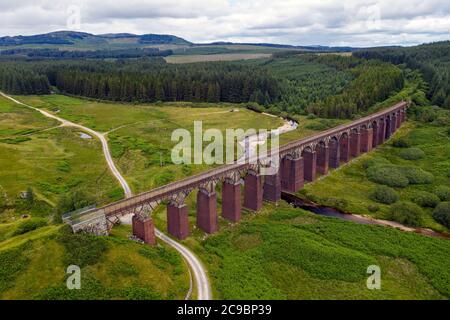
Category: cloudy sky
<point>301,22</point>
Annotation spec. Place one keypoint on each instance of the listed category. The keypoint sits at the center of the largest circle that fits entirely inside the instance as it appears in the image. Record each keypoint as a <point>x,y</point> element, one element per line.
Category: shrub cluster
<point>412,154</point>
<point>406,213</point>
<point>384,194</point>
<point>431,114</point>
<point>426,199</point>
<point>396,176</point>
<point>402,142</point>
<point>82,249</point>
<point>316,126</point>
<point>442,213</point>
<point>443,192</point>
<point>416,175</point>
<point>389,175</point>
<point>12,263</point>
<point>29,225</point>
<point>321,124</point>
<point>337,203</point>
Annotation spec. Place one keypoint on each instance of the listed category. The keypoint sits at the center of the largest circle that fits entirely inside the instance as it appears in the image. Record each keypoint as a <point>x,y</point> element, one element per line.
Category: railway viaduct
<point>300,161</point>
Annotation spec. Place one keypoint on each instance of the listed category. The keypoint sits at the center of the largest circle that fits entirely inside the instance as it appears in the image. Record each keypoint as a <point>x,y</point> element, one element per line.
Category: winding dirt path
<point>200,275</point>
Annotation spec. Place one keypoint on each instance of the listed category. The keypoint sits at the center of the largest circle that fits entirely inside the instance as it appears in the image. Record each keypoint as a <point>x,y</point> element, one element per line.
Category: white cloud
<point>328,22</point>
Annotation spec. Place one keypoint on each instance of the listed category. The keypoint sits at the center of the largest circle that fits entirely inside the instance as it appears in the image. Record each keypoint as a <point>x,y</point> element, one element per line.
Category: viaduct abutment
<point>300,161</point>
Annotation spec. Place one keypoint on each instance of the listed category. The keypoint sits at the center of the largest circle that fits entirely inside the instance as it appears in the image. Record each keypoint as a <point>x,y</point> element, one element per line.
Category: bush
<point>4,199</point>
<point>71,202</point>
<point>29,225</point>
<point>443,192</point>
<point>164,177</point>
<point>426,199</point>
<point>124,268</point>
<point>388,175</point>
<point>160,252</point>
<point>406,213</point>
<point>419,98</point>
<point>373,208</point>
<point>412,154</point>
<point>384,194</point>
<point>254,107</point>
<point>12,263</point>
<point>416,175</point>
<point>441,121</point>
<point>442,213</point>
<point>337,203</point>
<point>317,126</point>
<point>402,142</point>
<point>137,292</point>
<point>16,140</point>
<point>427,114</point>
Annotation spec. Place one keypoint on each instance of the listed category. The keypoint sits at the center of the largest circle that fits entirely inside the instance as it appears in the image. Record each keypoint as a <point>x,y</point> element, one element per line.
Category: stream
<point>250,143</point>
<point>336,213</point>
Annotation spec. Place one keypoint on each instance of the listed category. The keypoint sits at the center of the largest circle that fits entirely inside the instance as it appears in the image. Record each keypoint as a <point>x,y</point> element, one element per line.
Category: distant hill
<point>285,46</point>
<point>72,38</point>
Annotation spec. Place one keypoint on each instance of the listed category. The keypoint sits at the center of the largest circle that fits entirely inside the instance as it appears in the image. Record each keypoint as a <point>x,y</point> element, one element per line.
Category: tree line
<point>374,82</point>
<point>329,86</point>
<point>433,60</point>
<point>164,82</point>
<point>145,80</point>
<point>78,54</point>
<point>18,79</point>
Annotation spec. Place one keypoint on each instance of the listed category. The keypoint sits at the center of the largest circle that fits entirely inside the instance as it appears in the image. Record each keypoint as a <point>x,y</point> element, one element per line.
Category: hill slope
<point>72,38</point>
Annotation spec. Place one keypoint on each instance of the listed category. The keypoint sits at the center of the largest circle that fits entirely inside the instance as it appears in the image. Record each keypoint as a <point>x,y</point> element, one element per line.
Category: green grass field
<point>140,135</point>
